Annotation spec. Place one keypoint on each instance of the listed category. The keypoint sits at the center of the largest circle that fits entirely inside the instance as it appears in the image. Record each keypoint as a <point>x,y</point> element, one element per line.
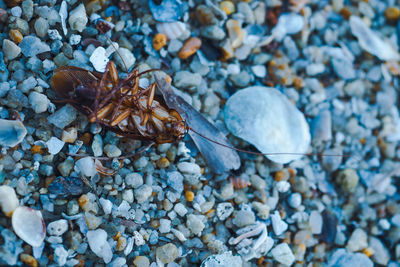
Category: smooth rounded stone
<point>29,225</point>
<point>191,172</point>
<point>272,124</point>
<point>278,225</point>
<point>347,179</point>
<point>257,182</point>
<point>283,254</point>
<point>54,145</point>
<point>341,257</point>
<point>213,32</point>
<point>187,80</point>
<point>224,210</point>
<point>39,102</point>
<point>244,218</point>
<point>165,226</point>
<point>133,180</point>
<point>97,240</point>
<point>77,18</point>
<point>41,27</point>
<point>8,200</point>
<point>288,23</point>
<point>355,88</point>
<point>332,158</point>
<point>63,117</point>
<point>10,49</point>
<point>128,59</point>
<point>259,71</point>
<point>222,260</point>
<point>141,261</point>
<point>86,166</point>
<point>195,224</point>
<point>143,193</point>
<point>357,241</point>
<point>167,253</point>
<point>11,132</point>
<point>315,222</point>
<point>294,200</point>
<point>57,228</point>
<point>371,42</point>
<point>32,46</point>
<point>175,181</point>
<point>112,151</point>
<point>382,254</point>
<point>241,79</point>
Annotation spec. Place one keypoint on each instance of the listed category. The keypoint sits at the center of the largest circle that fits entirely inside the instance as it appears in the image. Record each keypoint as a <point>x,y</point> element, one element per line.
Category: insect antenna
<point>264,154</point>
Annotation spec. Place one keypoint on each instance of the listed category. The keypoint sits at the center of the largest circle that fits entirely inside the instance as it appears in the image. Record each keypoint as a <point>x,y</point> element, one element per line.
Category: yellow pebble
<point>28,260</point>
<point>162,163</point>
<point>189,195</point>
<point>16,36</point>
<point>159,41</point>
<point>36,149</point>
<point>368,251</point>
<point>227,6</point>
<point>392,13</point>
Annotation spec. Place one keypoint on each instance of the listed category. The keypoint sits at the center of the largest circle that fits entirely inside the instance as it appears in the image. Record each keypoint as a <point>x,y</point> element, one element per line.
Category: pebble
<point>106,205</point>
<point>180,209</point>
<point>357,241</point>
<point>392,13</point>
<point>143,193</point>
<point>166,11</point>
<point>224,210</point>
<point>191,172</point>
<point>92,221</point>
<point>134,180</point>
<point>112,151</point>
<point>54,145</point>
<point>41,27</point>
<point>128,59</point>
<point>341,257</point>
<point>278,224</point>
<point>213,32</point>
<point>272,125</point>
<point>11,133</point>
<point>294,200</point>
<point>86,166</point>
<point>39,102</point>
<point>141,261</point>
<point>57,228</point>
<point>29,225</point>
<point>195,224</point>
<point>288,23</point>
<point>381,253</point>
<point>167,253</point>
<point>347,179</point>
<point>99,59</point>
<point>63,117</point>
<point>8,200</point>
<point>10,49</point>
<point>244,218</point>
<point>316,222</point>
<point>190,47</point>
<point>223,259</point>
<point>173,30</point>
<point>32,46</point>
<point>283,254</point>
<point>187,80</point>
<point>175,181</point>
<point>69,135</point>
<point>235,32</point>
<point>97,240</point>
<point>159,41</point>
<point>165,226</point>
<point>77,18</point>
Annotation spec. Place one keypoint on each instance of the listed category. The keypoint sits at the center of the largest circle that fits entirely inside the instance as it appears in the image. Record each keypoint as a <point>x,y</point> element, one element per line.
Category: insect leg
<point>151,95</point>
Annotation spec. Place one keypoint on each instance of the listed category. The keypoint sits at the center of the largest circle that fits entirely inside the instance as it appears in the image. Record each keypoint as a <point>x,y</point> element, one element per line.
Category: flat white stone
<point>266,118</point>
<point>99,59</point>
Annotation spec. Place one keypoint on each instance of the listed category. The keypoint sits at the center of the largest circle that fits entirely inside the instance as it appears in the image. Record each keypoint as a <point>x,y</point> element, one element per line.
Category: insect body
<point>120,104</point>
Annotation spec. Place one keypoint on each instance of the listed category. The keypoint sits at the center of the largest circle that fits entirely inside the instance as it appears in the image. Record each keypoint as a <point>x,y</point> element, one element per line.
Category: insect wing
<point>219,158</point>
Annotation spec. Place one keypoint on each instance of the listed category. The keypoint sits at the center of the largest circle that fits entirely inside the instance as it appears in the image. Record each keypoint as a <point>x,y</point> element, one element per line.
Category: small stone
<point>224,210</point>
<point>235,32</point>
<point>180,209</point>
<point>165,226</point>
<point>283,254</point>
<point>8,200</point>
<point>106,205</point>
<point>86,166</point>
<point>259,71</point>
<point>278,224</point>
<point>244,218</point>
<point>57,228</point>
<point>261,209</point>
<point>11,133</point>
<point>191,171</point>
<point>75,39</point>
<point>92,221</point>
<point>10,49</point>
<point>189,195</point>
<point>341,257</point>
<point>175,181</point>
<point>69,135</point>
<point>141,261</point>
<point>213,32</point>
<point>315,222</point>
<point>32,46</point>
<point>195,224</point>
<point>41,27</point>
<point>242,79</point>
<point>128,59</point>
<point>159,41</point>
<point>381,253</point>
<point>28,84</point>
<point>357,240</point>
<point>112,151</point>
<point>392,13</point>
<point>189,47</point>
<point>223,260</point>
<point>29,225</point>
<point>134,180</point>
<point>167,253</point>
<point>54,145</point>
<point>294,200</point>
<point>347,179</point>
<point>187,80</point>
<point>77,18</point>
<point>227,191</point>
<point>63,117</point>
<point>28,260</point>
<point>143,193</point>
<point>39,102</point>
<point>288,23</point>
<point>60,255</point>
<point>98,244</point>
<point>99,59</point>
<point>227,6</point>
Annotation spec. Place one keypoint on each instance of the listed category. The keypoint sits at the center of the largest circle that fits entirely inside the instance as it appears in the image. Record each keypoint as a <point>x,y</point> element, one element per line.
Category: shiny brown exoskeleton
<point>120,104</point>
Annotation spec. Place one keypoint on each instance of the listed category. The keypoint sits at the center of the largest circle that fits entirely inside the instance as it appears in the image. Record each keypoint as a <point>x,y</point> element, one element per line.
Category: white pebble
<point>86,167</point>
<point>78,19</point>
<point>278,224</point>
<point>29,225</point>
<point>74,39</point>
<point>224,210</point>
<point>99,59</point>
<point>98,244</point>
<point>294,200</point>
<point>165,226</point>
<point>106,205</point>
<point>282,186</point>
<point>315,222</point>
<point>180,209</point>
<point>283,254</point>
<point>54,145</point>
<point>8,200</point>
<point>259,71</point>
<point>57,228</point>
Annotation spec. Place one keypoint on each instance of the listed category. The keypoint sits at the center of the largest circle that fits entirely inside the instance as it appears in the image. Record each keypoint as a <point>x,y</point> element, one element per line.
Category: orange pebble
<point>28,260</point>
<point>368,251</point>
<point>392,13</point>
<point>82,200</point>
<point>36,149</point>
<point>159,41</point>
<point>189,195</point>
<point>189,47</point>
<point>16,36</point>
<point>281,175</point>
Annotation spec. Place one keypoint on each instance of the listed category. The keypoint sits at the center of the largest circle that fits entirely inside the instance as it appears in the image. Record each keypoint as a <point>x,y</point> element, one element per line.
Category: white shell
<point>8,200</point>
<point>29,225</point>
<point>173,30</point>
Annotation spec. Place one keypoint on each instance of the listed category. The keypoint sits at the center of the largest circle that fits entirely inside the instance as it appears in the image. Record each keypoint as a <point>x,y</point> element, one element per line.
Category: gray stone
<point>175,181</point>
<point>11,133</point>
<point>134,180</point>
<point>10,49</point>
<point>342,258</point>
<point>222,260</point>
<point>195,224</point>
<point>63,117</point>
<point>167,253</point>
<point>41,27</point>
<point>77,18</point>
<point>283,254</point>
<point>143,193</point>
<point>272,124</point>
<point>39,102</point>
<point>382,254</point>
<point>213,32</point>
<point>186,79</point>
<point>32,46</point>
<point>244,218</point>
<point>128,59</point>
<point>112,151</point>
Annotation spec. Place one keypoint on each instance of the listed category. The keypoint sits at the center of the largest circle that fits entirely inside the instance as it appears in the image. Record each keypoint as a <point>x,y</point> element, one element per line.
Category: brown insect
<point>121,105</point>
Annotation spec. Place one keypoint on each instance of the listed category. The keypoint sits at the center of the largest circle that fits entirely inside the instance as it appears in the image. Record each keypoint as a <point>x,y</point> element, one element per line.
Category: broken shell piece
<point>11,132</point>
<point>8,200</point>
<point>173,30</point>
<point>29,225</point>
